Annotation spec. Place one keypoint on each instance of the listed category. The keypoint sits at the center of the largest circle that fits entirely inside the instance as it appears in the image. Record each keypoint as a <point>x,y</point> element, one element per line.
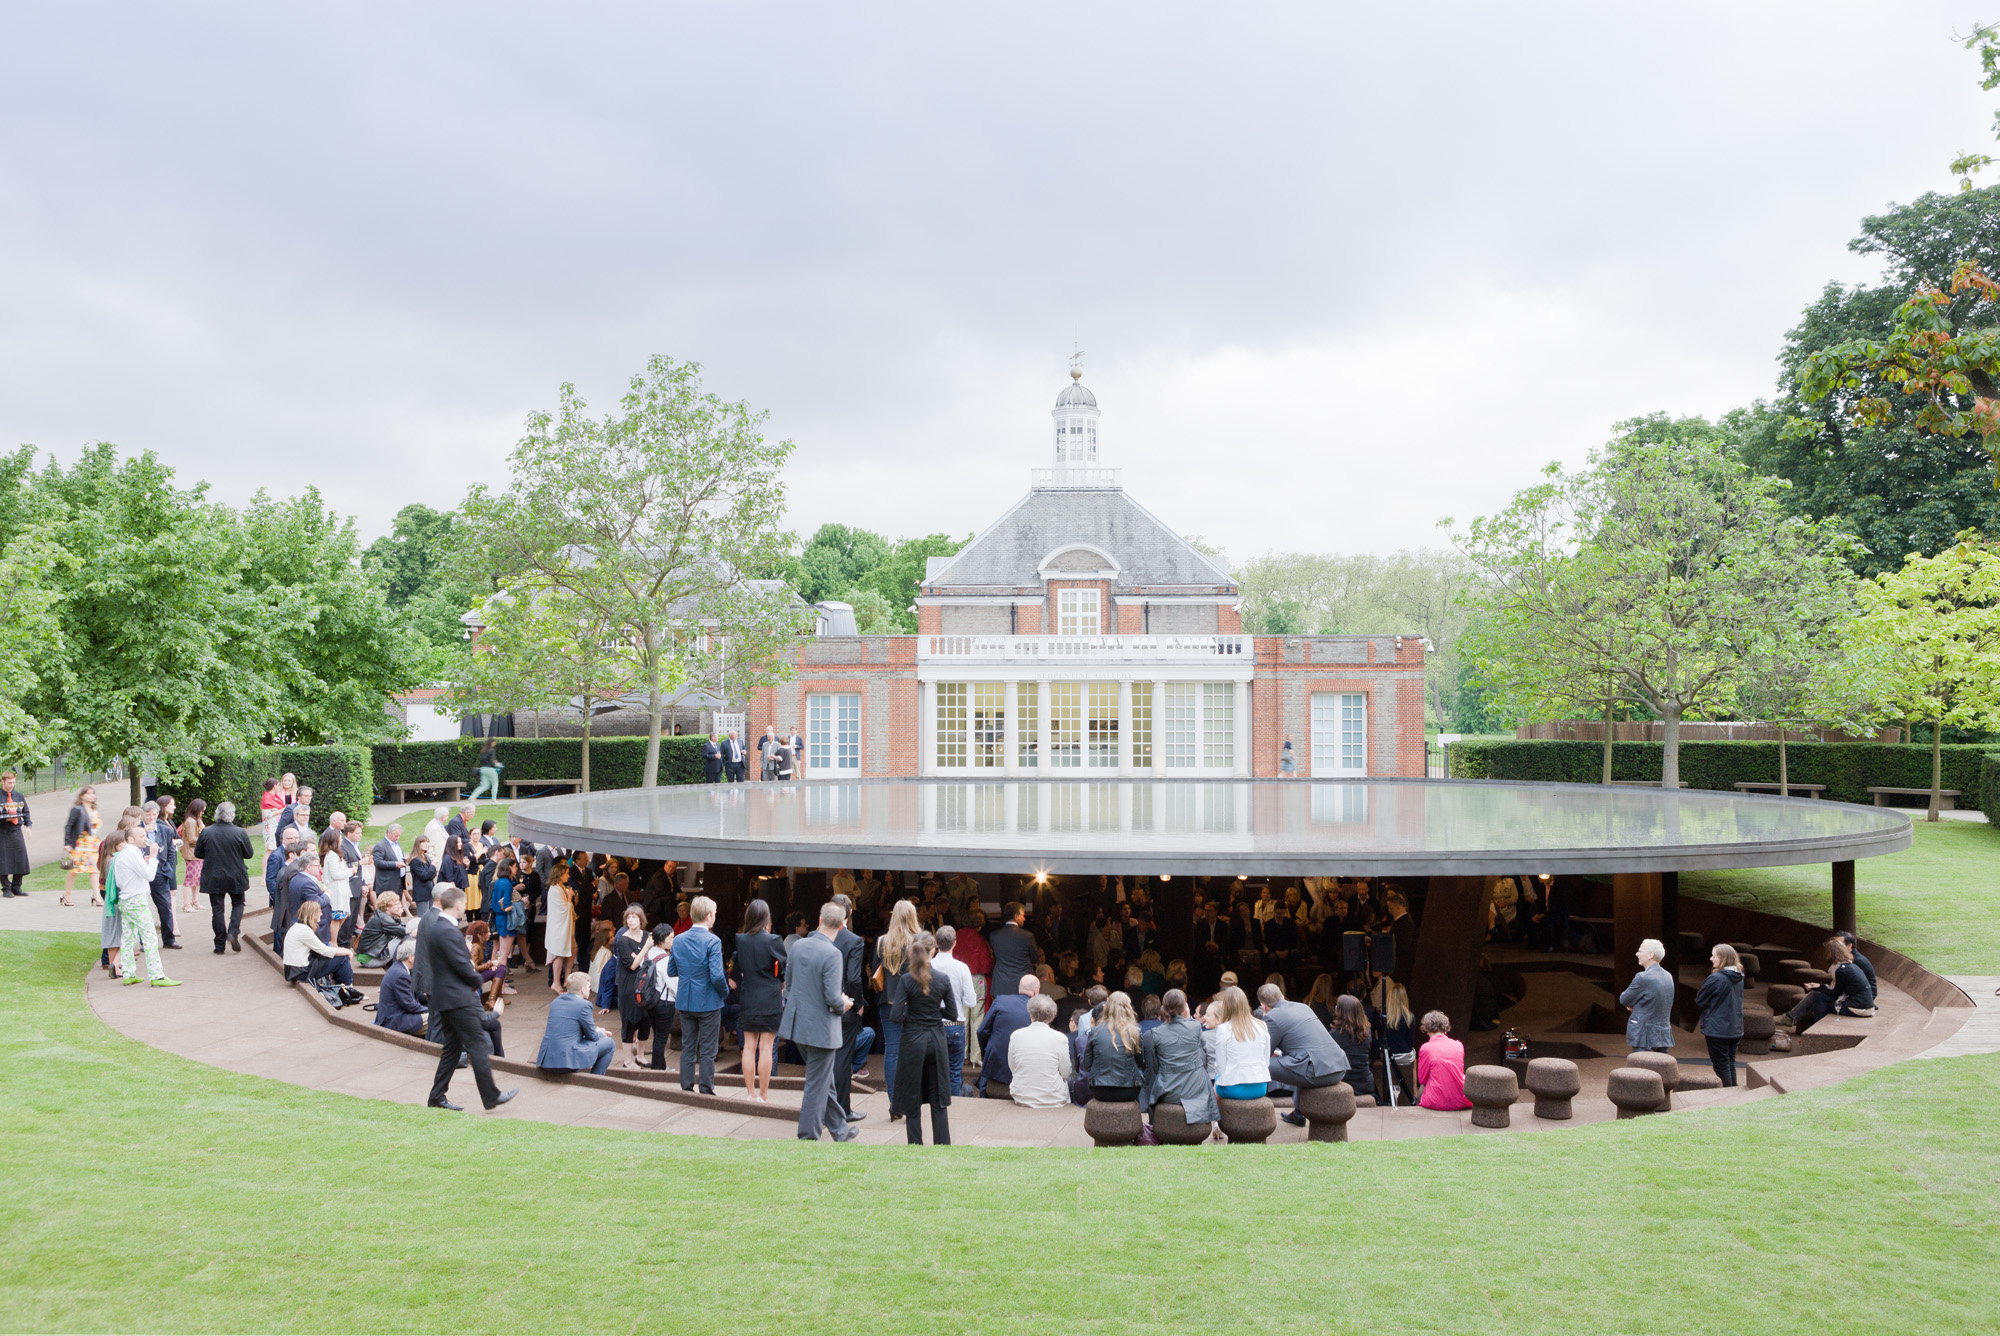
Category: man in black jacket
<point>224,852</point>
<point>454,999</point>
<point>165,839</point>
<point>854,957</point>
<point>1014,951</point>
<point>711,760</point>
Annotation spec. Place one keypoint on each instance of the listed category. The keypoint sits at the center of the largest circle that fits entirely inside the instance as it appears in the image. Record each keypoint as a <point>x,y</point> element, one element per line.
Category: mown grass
<point>139,1191</point>
<point>1938,901</point>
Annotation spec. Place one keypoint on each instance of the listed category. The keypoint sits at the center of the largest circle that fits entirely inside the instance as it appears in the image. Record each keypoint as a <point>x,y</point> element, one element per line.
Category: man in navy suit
<point>572,1042</point>
<point>711,760</point>
<point>1007,1013</point>
<point>396,1006</point>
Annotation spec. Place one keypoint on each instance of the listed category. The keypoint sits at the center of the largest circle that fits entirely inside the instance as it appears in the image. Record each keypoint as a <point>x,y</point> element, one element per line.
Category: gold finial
<point>1076,365</point>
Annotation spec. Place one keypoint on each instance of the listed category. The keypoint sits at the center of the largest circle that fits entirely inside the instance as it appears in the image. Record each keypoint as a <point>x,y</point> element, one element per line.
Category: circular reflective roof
<point>1372,827</point>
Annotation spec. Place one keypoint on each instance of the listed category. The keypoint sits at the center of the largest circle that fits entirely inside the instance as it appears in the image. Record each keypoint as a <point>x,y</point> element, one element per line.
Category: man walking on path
<point>454,998</point>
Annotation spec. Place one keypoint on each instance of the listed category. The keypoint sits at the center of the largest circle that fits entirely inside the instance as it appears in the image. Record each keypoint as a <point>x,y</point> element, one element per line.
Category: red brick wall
<point>1131,619</point>
<point>930,621</point>
<point>1228,621</point>
<point>1290,669</point>
<point>882,670</point>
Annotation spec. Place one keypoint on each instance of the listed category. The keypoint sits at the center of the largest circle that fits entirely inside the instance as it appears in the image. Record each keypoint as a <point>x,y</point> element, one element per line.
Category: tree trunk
<point>651,779</point>
<point>1937,765</point>
<point>1670,757</point>
<point>1784,776</point>
<point>1607,742</point>
<point>137,782</point>
<point>584,787</point>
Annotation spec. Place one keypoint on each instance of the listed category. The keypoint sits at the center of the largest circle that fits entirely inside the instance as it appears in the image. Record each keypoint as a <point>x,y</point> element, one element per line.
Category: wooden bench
<point>1644,783</point>
<point>1947,798</point>
<point>1771,786</point>
<point>452,790</point>
<point>514,786</point>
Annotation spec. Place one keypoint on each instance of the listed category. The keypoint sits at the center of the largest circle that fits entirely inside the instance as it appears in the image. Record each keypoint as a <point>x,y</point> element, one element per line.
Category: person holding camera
<point>133,866</point>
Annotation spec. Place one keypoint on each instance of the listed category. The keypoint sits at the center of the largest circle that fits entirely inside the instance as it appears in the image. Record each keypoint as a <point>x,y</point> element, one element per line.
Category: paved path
<point>1981,1033</point>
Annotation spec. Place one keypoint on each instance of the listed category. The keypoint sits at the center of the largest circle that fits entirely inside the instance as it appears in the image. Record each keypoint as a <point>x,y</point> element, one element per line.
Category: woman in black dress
<point>923,1067</point>
<point>630,949</point>
<point>760,971</point>
<point>423,872</point>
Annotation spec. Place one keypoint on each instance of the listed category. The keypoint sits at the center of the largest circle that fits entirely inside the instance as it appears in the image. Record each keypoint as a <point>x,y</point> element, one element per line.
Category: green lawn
<point>143,1191</point>
<point>1937,902</point>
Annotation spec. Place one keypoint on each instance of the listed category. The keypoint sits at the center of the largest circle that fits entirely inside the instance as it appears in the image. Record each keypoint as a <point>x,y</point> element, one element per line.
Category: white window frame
<point>1339,733</point>
<point>1078,612</point>
<point>833,731</point>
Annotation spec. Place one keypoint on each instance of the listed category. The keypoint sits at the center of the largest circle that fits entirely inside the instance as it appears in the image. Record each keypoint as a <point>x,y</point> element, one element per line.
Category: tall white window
<point>951,728</point>
<point>1076,612</point>
<point>1103,725</point>
<point>1218,725</point>
<point>1339,733</point>
<point>1142,725</point>
<point>1028,724</point>
<point>833,731</point>
<point>989,724</point>
<point>1180,725</point>
<point>1065,725</point>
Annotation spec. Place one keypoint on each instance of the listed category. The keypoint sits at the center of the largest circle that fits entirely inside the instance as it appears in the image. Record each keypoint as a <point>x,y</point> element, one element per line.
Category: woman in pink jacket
<point>1441,1065</point>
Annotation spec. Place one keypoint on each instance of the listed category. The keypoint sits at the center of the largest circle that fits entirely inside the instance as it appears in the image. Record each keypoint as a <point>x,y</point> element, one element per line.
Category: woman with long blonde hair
<point>80,845</point>
<point>1239,1047</point>
<point>1111,1053</point>
<point>892,950</point>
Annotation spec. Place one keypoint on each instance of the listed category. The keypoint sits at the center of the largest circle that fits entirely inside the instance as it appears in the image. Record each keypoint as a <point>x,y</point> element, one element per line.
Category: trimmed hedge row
<point>341,778</point>
<point>1989,784</point>
<point>1847,769</point>
<point>615,762</point>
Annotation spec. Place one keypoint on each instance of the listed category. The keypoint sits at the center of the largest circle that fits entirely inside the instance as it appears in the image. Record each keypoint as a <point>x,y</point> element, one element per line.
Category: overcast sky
<point>1337,270</point>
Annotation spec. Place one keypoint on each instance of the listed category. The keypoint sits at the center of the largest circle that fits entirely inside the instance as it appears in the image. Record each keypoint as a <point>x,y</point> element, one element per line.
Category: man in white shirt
<point>132,869</point>
<point>434,832</point>
<point>1040,1060</point>
<point>960,975</point>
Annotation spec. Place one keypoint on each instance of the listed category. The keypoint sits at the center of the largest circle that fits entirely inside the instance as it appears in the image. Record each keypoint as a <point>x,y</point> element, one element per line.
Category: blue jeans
<point>607,1048</point>
<point>954,1043</point>
<point>489,779</point>
<point>864,1044</point>
<point>892,1043</point>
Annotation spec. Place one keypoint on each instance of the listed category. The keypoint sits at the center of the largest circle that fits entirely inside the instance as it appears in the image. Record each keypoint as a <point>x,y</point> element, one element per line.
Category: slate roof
<point>1010,552</point>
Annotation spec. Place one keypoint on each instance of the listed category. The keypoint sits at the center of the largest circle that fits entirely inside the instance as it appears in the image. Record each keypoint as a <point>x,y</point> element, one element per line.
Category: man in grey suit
<point>814,1004</point>
<point>1302,1052</point>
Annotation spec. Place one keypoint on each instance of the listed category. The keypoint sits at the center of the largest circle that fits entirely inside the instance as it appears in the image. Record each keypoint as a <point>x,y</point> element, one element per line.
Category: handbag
<point>1147,1136</point>
<point>68,861</point>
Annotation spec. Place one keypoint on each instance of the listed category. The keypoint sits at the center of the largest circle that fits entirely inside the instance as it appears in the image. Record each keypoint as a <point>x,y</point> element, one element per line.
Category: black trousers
<point>662,1020</point>
<point>163,900</point>
<point>464,1031</point>
<point>233,926</point>
<point>843,1071</point>
<point>1722,1056</point>
<point>10,883</point>
<point>701,1033</point>
<point>913,1126</point>
<point>1816,1004</point>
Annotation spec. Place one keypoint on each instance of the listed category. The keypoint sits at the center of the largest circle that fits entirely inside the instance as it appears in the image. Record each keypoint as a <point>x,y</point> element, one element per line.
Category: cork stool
<point>1170,1124</point>
<point>1758,1027</point>
<point>1248,1122</point>
<point>1669,1068</point>
<point>1492,1091</point>
<point>1783,996</point>
<point>1327,1109</point>
<point>1112,1124</point>
<point>1554,1082</point>
<point>1635,1091</point>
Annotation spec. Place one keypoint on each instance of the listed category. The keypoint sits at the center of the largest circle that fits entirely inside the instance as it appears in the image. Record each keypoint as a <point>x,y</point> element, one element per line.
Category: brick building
<point>1078,634</point>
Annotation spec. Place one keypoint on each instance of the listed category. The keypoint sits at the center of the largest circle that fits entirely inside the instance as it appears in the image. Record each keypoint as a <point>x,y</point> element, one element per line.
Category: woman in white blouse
<point>307,957</point>
<point>1239,1046</point>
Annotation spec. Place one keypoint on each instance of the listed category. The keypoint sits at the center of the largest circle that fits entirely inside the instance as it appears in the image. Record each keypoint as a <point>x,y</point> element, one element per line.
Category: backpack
<point>653,987</point>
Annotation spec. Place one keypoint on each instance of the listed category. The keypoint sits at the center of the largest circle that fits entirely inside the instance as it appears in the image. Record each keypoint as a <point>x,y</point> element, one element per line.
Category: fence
<point>1642,730</point>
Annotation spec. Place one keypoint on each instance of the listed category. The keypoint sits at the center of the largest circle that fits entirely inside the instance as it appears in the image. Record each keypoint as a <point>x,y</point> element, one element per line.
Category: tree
<point>1633,579</point>
<point>1934,630</point>
<point>333,648</point>
<point>1894,485</point>
<point>1795,671</point>
<point>872,614</point>
<point>30,635</point>
<point>161,654</point>
<point>835,559</point>
<point>542,647</point>
<point>649,517</point>
<point>418,565</point>
<point>896,578</point>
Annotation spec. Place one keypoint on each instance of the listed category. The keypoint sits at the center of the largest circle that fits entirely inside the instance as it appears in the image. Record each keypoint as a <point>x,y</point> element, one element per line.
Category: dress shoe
<point>1295,1118</point>
<point>502,1098</point>
<point>170,946</point>
<point>221,951</point>
<point>235,942</point>
<point>464,1061</point>
<point>855,1117</point>
<point>447,1104</point>
<point>849,1134</point>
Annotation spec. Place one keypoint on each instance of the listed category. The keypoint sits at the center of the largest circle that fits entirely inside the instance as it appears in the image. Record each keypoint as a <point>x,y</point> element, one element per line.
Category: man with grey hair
<point>278,863</point>
<point>1651,997</point>
<point>390,862</point>
<point>223,850</point>
<point>814,1005</point>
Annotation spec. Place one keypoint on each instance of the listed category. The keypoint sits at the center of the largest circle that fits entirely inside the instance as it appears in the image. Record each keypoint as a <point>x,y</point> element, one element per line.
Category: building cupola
<point>1076,421</point>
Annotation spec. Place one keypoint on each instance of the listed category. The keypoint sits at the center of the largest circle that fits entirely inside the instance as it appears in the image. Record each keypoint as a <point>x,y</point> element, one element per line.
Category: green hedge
<point>615,763</point>
<point>1989,784</point>
<point>1847,769</point>
<point>342,779</point>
